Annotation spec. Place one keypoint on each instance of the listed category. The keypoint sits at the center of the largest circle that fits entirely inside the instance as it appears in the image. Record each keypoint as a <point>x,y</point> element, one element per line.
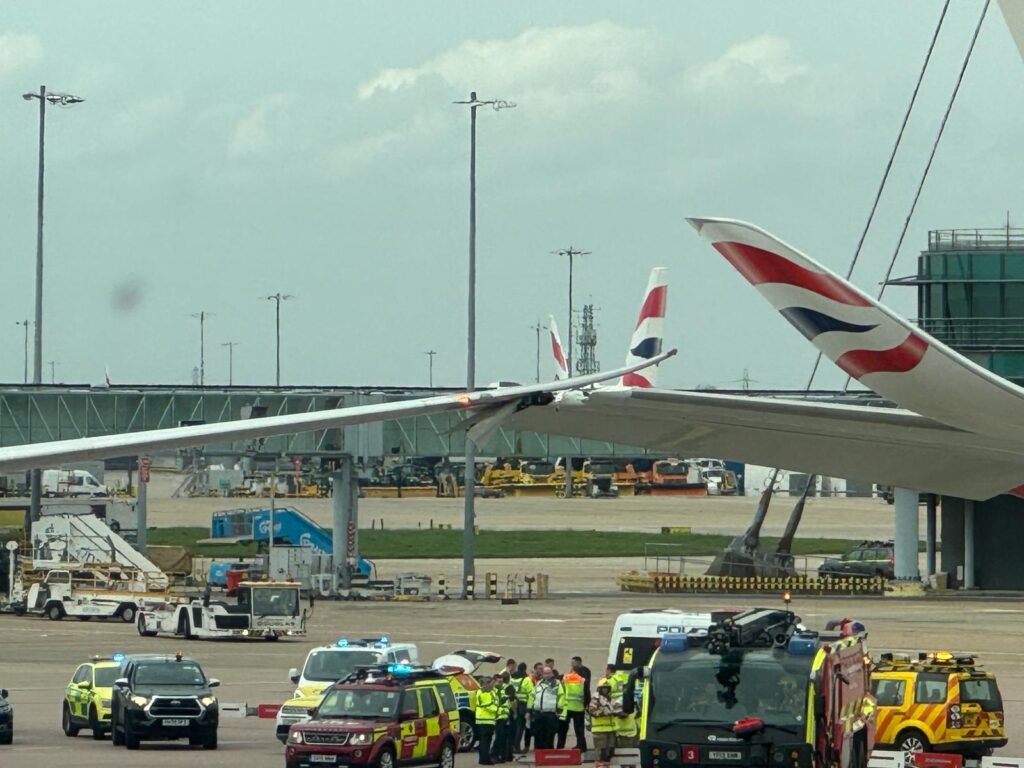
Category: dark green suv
<point>868,559</point>
<point>163,697</point>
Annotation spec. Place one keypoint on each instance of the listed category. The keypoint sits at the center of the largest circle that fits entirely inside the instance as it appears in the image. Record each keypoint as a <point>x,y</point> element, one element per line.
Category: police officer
<point>486,714</point>
<point>524,695</point>
<point>504,726</point>
<point>544,709</point>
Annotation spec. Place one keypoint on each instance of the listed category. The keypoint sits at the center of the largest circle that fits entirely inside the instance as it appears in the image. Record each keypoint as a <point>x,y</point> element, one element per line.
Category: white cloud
<point>256,131</point>
<point>351,156</point>
<point>18,52</point>
<point>556,70</point>
<point>762,61</point>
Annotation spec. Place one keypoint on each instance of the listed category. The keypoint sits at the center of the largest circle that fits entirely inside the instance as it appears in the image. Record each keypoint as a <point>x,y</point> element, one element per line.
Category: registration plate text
<point>719,754</point>
<point>321,758</point>
<point>175,722</point>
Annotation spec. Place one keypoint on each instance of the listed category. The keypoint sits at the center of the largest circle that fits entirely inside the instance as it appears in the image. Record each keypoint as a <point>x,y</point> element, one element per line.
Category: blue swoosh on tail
<point>812,323</point>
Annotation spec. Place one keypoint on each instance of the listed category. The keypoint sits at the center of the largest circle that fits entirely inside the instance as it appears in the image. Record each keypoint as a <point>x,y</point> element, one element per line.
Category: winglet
<point>650,330</point>
<point>557,351</point>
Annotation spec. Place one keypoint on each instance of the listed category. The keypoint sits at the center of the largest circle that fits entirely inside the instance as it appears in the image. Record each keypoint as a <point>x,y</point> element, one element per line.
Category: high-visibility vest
<point>503,707</point>
<point>602,720</point>
<point>486,707</point>
<point>524,688</point>
<point>625,726</point>
<point>573,692</point>
<point>547,697</point>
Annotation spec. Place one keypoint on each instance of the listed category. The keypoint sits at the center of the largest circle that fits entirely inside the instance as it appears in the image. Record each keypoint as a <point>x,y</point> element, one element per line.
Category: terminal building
<point>970,290</point>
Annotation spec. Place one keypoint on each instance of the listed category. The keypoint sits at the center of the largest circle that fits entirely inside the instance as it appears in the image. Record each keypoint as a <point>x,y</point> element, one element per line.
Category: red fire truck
<point>759,689</point>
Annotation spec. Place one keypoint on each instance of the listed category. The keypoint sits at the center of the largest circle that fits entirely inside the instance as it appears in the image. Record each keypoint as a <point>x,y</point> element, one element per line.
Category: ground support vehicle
<point>6,719</point>
<point>866,560</point>
<point>673,477</point>
<point>87,697</point>
<point>937,702</point>
<point>87,592</point>
<point>327,664</point>
<point>163,697</point>
<point>387,717</point>
<point>759,690</point>
<point>263,609</point>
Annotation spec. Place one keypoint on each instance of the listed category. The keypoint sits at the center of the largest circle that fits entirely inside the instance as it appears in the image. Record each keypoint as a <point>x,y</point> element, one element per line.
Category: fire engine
<point>760,689</point>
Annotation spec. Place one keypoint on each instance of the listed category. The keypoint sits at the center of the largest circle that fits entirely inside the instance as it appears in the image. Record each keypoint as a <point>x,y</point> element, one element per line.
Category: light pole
<point>430,355</point>
<point>469,518</point>
<point>202,315</point>
<point>62,100</point>
<point>231,360</point>
<point>279,297</point>
<point>571,253</point>
<point>53,371</point>
<point>25,323</point>
<point>537,329</point>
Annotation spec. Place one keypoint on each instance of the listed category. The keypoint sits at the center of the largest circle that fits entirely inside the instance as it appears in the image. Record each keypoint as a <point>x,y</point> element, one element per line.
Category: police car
<point>327,664</point>
<point>387,717</point>
<point>87,696</point>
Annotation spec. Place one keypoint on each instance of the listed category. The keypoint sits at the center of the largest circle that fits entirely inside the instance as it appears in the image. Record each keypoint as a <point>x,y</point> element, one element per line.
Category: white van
<point>71,482</point>
<point>638,633</point>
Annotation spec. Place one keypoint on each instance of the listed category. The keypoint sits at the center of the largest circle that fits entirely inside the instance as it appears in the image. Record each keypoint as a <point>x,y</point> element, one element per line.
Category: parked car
<point>867,559</point>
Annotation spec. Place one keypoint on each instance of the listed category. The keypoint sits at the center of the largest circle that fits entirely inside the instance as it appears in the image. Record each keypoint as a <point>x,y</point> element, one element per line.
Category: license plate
<point>321,758</point>
<point>717,754</point>
<point>175,722</point>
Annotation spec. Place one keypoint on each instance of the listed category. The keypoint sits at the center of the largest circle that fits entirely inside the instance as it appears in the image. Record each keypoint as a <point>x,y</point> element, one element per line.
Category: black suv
<point>6,719</point>
<point>163,697</point>
<point>867,559</point>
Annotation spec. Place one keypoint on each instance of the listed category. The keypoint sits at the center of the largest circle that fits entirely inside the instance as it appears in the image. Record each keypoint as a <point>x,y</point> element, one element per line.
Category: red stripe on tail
<point>654,304</point>
<point>899,359</point>
<point>635,380</point>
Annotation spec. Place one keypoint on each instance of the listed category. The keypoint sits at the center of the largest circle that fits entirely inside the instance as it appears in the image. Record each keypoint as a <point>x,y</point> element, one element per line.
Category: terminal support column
<point>930,535</point>
<point>906,534</point>
<point>345,523</point>
<point>969,545</point>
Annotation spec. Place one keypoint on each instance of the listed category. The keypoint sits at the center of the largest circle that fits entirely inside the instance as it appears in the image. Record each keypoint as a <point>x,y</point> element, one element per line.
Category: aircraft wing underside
<point>883,445</point>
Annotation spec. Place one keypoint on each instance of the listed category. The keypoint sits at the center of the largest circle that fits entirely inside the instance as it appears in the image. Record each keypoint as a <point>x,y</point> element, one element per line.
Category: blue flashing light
<point>383,642</point>
<point>803,645</point>
<point>399,669</point>
<point>341,642</point>
<point>118,657</point>
<point>673,643</point>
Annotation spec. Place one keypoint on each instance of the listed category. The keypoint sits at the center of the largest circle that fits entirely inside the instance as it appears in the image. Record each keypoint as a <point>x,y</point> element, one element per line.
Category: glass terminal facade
<point>970,293</point>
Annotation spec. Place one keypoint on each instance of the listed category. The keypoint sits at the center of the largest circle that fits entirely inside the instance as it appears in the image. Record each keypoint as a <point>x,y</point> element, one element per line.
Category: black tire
<point>98,730</point>
<point>465,732</point>
<point>211,740</point>
<point>910,742</point>
<point>66,724</point>
<point>116,736</point>
<point>447,757</point>
<point>131,739</point>
<point>128,614</point>
<point>7,738</point>
<point>386,758</point>
<point>139,626</point>
<point>55,611</point>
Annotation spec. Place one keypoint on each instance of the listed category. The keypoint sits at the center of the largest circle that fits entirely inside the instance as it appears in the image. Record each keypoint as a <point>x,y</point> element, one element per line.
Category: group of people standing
<point>520,705</point>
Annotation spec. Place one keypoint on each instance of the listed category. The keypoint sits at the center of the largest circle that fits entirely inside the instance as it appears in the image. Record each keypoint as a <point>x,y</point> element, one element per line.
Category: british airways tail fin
<point>649,331</point>
<point>880,349</point>
<point>561,368</point>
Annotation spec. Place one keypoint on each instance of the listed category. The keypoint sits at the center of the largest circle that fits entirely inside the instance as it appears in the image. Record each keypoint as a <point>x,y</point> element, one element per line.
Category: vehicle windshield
<point>105,676</point>
<point>672,469</point>
<point>331,666</point>
<point>699,687</point>
<point>359,703</point>
<point>268,601</point>
<point>169,673</point>
<point>983,691</point>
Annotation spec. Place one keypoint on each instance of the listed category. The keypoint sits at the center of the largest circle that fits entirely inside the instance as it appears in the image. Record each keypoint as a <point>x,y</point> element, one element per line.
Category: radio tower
<point>587,362</point>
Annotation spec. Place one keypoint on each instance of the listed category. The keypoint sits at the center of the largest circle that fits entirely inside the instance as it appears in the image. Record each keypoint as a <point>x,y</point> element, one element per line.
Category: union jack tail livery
<point>561,369</point>
<point>649,332</point>
<point>882,350</point>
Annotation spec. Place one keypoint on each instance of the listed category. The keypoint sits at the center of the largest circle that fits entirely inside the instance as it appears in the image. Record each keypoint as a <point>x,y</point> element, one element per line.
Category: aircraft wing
<point>884,445</point>
<point>139,443</point>
<point>882,350</point>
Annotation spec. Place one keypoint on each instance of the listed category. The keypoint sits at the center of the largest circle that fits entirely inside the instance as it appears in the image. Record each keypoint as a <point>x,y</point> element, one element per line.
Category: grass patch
<point>415,543</point>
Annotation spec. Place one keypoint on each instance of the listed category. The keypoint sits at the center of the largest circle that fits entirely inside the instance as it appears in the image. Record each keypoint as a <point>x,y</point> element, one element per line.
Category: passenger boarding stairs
<point>60,540</point>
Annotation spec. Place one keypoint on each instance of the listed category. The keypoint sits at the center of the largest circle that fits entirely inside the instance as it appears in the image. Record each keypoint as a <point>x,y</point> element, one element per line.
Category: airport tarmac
<point>39,656</point>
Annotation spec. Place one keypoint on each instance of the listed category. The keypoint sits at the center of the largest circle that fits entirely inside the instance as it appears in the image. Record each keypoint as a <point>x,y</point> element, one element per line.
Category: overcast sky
<point>230,150</point>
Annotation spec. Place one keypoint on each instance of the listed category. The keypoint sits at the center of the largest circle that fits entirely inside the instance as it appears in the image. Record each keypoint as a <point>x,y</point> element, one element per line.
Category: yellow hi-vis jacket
<point>524,688</point>
<point>602,714</point>
<point>572,692</point>
<point>486,707</point>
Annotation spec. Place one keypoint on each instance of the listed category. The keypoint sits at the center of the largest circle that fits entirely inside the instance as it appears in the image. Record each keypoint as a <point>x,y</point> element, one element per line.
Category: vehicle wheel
<point>128,614</point>
<point>55,612</point>
<point>140,625</point>
<point>69,728</point>
<point>94,723</point>
<point>447,757</point>
<point>116,736</point>
<point>465,734</point>
<point>211,740</point>
<point>386,759</point>
<point>7,738</point>
<point>131,739</point>
<point>911,743</point>
<point>195,741</point>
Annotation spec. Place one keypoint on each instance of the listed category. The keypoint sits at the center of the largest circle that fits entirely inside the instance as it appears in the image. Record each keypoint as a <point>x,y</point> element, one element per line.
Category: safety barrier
<point>886,758</point>
<point>442,588</point>
<point>492,586</point>
<point>635,581</point>
<point>469,586</point>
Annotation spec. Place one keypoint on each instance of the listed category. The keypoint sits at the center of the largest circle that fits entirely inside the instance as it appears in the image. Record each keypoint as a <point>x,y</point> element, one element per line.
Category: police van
<point>638,633</point>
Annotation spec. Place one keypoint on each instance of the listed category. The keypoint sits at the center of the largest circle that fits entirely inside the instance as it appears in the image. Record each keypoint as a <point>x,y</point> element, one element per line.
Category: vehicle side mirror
<point>410,714</point>
<point>85,685</point>
<point>213,682</point>
<point>311,711</point>
<point>3,693</point>
<point>293,675</point>
<point>121,682</point>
